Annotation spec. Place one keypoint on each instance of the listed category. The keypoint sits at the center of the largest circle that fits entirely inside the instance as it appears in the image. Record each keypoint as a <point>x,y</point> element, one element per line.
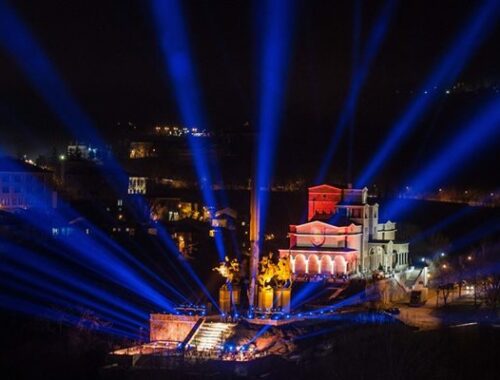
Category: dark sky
<point>109,57</point>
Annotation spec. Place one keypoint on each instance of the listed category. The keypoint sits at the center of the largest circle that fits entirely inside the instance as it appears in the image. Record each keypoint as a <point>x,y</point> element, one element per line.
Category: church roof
<point>348,223</point>
<point>321,249</point>
<point>335,220</point>
<point>324,189</point>
<point>226,211</point>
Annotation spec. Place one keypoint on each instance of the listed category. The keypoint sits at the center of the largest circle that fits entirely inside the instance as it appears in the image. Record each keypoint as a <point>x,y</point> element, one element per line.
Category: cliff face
<point>273,340</point>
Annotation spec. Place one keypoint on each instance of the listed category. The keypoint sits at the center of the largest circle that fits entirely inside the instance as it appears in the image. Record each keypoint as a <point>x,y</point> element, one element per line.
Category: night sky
<point>108,54</point>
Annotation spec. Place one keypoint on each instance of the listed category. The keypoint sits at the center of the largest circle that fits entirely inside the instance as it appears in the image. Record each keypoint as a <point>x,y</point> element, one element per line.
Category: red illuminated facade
<point>343,236</point>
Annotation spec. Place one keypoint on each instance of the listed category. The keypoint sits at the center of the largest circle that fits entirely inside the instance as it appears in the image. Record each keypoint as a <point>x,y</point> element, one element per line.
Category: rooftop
<point>387,241</point>
<point>12,165</point>
<point>322,248</point>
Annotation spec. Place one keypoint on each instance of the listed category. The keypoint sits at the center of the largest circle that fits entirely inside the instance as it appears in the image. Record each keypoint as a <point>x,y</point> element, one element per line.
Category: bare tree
<point>491,291</point>
<point>446,290</point>
<point>481,268</point>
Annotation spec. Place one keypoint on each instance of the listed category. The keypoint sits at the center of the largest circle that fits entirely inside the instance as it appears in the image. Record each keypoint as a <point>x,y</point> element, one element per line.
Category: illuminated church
<point>343,236</point>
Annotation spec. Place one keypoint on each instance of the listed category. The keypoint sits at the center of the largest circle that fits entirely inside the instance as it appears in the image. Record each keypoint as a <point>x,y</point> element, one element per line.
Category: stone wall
<point>170,327</point>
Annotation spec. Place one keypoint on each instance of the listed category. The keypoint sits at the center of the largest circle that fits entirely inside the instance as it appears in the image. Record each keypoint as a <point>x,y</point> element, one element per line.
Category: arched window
<point>300,264</point>
<point>340,265</point>
<point>326,264</point>
<point>314,267</point>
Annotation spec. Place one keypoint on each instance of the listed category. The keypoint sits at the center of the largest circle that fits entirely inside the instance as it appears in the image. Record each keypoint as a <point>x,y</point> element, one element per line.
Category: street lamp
<point>443,254</point>
<point>62,157</point>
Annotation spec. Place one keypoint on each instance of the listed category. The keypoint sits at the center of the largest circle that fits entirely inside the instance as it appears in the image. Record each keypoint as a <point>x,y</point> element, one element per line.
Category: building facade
<point>343,236</point>
<point>24,186</point>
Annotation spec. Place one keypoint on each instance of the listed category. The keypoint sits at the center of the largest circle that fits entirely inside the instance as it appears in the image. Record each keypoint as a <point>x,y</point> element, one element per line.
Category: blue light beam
<point>358,78</point>
<point>17,40</point>
<point>71,280</point>
<point>33,286</point>
<point>277,18</point>
<point>44,312</point>
<point>484,129</point>
<point>446,72</point>
<point>173,38</point>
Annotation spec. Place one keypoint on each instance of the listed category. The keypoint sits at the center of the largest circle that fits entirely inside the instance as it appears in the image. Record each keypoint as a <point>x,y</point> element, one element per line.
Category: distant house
<point>24,186</point>
<point>225,218</point>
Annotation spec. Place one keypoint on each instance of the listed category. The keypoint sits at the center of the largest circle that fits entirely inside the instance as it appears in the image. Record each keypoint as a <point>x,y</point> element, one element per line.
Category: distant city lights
<point>176,131</point>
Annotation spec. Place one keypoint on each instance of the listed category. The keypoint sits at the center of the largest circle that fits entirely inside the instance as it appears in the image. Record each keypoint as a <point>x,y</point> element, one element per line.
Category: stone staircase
<point>413,278</point>
<point>211,335</point>
<point>336,292</point>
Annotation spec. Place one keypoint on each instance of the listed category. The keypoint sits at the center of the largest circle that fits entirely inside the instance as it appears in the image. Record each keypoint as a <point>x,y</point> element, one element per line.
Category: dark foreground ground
<point>37,350</point>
